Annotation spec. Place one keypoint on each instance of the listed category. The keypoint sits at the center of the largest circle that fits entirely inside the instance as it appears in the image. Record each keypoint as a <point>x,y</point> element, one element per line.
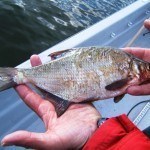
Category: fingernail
<point>147,20</point>
<point>2,144</point>
<point>5,144</point>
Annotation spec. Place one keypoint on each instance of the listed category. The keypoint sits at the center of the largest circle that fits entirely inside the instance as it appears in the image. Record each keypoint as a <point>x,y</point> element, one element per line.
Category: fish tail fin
<point>6,78</point>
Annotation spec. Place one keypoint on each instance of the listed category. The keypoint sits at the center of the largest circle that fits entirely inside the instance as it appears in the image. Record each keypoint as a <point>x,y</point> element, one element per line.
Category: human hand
<point>144,54</point>
<point>147,24</point>
<point>70,131</point>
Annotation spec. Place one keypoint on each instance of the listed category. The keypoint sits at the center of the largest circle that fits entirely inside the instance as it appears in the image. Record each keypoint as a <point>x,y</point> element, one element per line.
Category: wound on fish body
<point>81,75</point>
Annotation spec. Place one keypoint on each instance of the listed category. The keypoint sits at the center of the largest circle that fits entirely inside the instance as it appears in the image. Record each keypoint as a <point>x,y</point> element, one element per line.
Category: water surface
<point>29,27</point>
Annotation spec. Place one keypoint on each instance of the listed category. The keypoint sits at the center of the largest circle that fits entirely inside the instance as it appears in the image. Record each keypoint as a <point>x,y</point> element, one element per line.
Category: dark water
<point>31,26</point>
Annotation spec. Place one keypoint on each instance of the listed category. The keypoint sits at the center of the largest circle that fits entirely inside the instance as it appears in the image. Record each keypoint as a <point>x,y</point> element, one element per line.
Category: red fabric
<point>118,133</point>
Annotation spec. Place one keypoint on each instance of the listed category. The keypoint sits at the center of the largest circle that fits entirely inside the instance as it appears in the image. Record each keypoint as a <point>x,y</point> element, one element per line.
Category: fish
<point>80,75</point>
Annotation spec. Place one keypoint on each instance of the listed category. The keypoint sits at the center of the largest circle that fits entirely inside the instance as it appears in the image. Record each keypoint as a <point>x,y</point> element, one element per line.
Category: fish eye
<point>130,77</point>
<point>148,67</point>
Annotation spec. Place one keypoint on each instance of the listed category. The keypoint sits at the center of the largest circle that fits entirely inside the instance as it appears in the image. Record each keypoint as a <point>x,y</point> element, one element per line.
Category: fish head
<point>144,71</point>
<point>141,69</point>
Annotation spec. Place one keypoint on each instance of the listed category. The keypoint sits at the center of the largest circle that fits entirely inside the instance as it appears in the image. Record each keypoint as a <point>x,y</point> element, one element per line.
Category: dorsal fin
<point>59,54</point>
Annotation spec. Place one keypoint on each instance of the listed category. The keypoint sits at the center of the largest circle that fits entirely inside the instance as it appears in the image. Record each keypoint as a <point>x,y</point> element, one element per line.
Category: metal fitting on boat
<point>112,34</point>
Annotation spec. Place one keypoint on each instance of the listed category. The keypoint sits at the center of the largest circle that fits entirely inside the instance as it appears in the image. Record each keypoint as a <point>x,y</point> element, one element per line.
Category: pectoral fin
<point>118,98</point>
<point>117,84</point>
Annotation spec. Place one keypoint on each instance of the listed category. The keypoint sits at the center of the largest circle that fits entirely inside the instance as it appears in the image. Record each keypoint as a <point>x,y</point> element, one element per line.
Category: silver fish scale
<point>81,75</point>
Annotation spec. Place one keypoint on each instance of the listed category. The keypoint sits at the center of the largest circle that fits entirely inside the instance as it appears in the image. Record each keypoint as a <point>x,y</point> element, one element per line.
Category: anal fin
<point>60,104</point>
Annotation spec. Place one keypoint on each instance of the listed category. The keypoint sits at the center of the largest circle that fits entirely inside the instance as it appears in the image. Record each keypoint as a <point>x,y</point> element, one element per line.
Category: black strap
<point>101,121</point>
<point>147,131</point>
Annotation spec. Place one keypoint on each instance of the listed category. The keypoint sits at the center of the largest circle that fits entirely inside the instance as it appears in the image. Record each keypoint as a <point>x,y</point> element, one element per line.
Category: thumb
<point>25,139</point>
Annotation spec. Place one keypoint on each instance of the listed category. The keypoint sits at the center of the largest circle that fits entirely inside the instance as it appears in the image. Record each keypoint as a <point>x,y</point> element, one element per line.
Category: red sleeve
<point>118,133</point>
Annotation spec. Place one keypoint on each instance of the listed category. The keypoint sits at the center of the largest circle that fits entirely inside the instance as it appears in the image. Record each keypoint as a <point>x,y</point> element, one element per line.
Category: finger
<point>142,53</point>
<point>147,23</point>
<point>25,139</point>
<point>44,109</point>
<point>35,60</point>
<point>139,89</point>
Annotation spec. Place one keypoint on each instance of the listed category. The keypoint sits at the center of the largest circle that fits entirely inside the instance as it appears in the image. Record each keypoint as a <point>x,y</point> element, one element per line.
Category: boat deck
<point>116,30</point>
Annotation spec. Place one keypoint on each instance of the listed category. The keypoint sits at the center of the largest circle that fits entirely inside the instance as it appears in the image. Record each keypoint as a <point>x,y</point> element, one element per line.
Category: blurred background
<point>30,27</point>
